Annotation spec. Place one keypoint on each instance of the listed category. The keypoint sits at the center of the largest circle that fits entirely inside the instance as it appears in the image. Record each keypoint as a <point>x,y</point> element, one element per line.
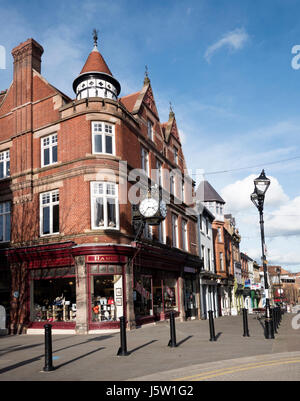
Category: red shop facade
<point>85,288</point>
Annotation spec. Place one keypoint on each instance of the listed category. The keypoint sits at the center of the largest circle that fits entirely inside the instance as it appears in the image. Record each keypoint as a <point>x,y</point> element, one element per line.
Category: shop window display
<point>190,304</point>
<point>142,296</point>
<point>53,295</point>
<point>165,295</point>
<point>106,297</point>
<point>157,296</point>
<point>170,294</point>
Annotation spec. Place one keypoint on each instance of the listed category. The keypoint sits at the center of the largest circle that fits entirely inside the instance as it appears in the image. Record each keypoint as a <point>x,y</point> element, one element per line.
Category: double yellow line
<point>235,369</point>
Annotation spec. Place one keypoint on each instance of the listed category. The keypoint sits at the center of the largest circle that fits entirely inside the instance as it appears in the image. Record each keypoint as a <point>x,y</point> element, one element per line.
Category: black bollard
<point>123,349</point>
<point>172,342</point>
<point>48,349</point>
<point>245,323</point>
<point>211,326</point>
<point>277,317</point>
<point>279,314</point>
<point>274,318</point>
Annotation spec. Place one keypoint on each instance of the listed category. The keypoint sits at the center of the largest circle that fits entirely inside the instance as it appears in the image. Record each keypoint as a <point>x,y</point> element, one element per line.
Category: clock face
<point>148,207</point>
<point>163,209</point>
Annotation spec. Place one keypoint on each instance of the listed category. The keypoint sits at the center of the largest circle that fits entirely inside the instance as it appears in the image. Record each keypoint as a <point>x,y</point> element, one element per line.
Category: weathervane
<point>146,80</point>
<point>171,110</point>
<point>95,37</point>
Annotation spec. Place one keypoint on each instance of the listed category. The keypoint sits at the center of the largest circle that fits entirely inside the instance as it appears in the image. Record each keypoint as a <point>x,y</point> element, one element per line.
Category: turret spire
<point>95,37</point>
<point>95,78</point>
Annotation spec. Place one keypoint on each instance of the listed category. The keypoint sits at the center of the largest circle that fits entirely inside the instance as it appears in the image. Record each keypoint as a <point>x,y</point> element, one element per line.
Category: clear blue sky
<point>226,67</point>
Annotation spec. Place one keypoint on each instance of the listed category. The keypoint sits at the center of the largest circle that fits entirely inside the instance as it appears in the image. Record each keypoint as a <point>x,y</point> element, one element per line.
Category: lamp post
<point>261,184</point>
<point>278,270</point>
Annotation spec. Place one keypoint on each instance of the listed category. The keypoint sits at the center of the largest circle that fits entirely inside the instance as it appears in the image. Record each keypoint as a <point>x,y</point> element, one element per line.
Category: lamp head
<point>254,198</point>
<point>261,183</point>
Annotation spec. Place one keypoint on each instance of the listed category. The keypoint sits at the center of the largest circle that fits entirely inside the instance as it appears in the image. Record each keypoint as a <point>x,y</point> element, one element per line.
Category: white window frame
<point>182,192</point>
<point>5,211</point>
<point>49,142</point>
<point>201,222</point>
<point>172,184</point>
<point>159,175</point>
<point>48,199</point>
<point>222,266</point>
<point>203,255</point>
<point>219,235</point>
<point>175,155</point>
<point>184,234</point>
<point>209,261</point>
<point>145,160</point>
<point>162,232</point>
<point>150,131</point>
<point>109,191</point>
<point>174,230</point>
<point>5,160</point>
<point>105,130</point>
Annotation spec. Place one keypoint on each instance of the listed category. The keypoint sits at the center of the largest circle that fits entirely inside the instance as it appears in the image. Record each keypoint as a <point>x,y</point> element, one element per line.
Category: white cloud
<point>281,221</point>
<point>285,220</point>
<point>237,195</point>
<point>234,40</point>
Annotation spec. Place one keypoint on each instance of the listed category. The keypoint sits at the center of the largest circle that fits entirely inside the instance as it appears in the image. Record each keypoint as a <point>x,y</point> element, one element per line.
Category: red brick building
<point>67,227</point>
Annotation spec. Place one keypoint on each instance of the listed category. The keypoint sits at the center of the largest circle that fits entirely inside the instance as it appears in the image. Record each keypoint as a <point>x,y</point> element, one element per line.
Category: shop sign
<point>105,259</point>
<point>255,286</point>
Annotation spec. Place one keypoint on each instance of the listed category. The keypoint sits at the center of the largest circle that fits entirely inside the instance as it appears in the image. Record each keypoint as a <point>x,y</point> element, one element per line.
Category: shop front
<point>52,296</point>
<point>209,299</point>
<point>85,288</point>
<point>155,294</point>
<point>190,289</point>
<point>106,295</point>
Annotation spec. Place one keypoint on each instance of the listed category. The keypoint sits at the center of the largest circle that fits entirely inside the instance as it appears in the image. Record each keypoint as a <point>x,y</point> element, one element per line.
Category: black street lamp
<point>278,270</point>
<point>261,184</point>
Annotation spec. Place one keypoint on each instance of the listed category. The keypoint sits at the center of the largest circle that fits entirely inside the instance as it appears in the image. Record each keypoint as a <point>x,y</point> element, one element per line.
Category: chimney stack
<point>27,56</point>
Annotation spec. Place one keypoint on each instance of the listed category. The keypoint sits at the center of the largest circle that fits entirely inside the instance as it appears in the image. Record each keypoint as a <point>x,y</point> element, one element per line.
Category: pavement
<point>94,357</point>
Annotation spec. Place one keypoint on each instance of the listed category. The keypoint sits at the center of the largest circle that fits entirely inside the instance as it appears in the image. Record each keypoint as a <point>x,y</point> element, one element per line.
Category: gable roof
<point>129,101</point>
<point>206,193</point>
<point>170,128</point>
<point>134,101</point>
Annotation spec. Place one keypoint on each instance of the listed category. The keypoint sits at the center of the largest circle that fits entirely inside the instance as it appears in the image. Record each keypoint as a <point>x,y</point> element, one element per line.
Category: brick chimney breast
<point>27,57</point>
